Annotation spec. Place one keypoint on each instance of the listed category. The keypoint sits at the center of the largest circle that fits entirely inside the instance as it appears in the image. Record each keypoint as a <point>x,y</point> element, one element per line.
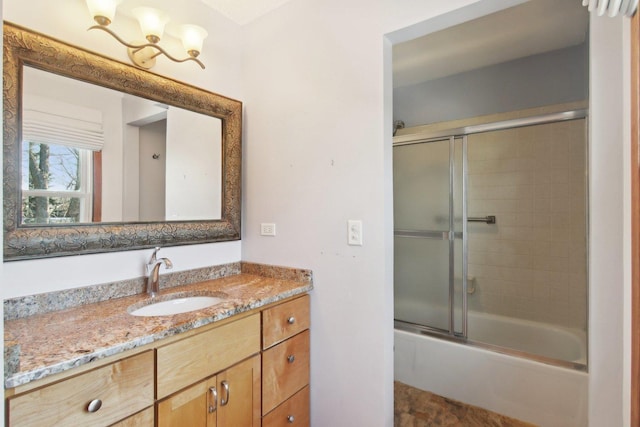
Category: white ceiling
<point>244,11</point>
<point>534,27</point>
<point>239,11</point>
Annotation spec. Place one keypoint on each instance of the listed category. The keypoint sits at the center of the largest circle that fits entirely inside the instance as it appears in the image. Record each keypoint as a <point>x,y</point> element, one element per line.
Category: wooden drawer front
<point>284,321</point>
<point>141,419</point>
<point>293,412</point>
<point>282,376</point>
<point>186,362</point>
<point>124,387</point>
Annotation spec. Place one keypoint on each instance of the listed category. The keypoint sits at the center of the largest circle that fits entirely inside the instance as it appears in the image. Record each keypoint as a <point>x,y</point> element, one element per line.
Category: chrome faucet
<point>153,272</point>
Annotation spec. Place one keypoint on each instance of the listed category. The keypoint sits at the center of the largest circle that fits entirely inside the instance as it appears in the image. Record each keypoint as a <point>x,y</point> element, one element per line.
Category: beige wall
<point>532,263</point>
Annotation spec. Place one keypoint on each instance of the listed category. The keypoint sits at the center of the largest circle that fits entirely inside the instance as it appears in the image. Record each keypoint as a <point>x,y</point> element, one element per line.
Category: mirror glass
<point>92,154</point>
<point>95,153</point>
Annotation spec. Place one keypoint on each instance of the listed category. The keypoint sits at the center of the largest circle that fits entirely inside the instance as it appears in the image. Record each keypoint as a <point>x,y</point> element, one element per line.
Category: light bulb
<point>152,22</point>
<point>192,38</point>
<point>103,11</point>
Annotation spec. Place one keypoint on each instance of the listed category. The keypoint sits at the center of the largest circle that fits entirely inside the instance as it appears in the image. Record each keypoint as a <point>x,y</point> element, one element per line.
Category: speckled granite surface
<point>53,342</point>
<point>16,308</point>
<point>277,272</point>
<point>419,408</point>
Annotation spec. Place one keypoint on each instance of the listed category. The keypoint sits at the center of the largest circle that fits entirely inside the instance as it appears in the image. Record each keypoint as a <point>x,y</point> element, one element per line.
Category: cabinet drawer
<point>141,419</point>
<point>124,387</point>
<point>284,321</point>
<point>293,412</point>
<point>188,361</point>
<point>285,370</point>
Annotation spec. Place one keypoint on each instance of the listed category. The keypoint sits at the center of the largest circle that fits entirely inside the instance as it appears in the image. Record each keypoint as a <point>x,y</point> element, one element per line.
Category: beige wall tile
<point>532,263</point>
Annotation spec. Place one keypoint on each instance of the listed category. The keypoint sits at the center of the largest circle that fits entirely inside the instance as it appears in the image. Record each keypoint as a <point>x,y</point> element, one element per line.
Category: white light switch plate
<point>354,232</point>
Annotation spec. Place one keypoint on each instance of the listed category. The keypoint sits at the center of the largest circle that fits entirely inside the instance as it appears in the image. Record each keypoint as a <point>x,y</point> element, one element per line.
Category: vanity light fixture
<point>152,22</point>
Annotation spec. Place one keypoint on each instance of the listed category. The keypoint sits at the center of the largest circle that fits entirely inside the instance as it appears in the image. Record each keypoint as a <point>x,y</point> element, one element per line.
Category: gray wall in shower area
<point>554,77</point>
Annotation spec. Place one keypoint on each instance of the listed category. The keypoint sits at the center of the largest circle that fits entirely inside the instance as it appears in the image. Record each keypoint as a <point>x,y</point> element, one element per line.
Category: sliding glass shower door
<point>428,188</point>
<point>491,235</point>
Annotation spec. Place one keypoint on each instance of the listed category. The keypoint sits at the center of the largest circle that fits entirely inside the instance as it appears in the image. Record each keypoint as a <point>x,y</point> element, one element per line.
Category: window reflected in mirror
<point>156,162</point>
<point>56,183</point>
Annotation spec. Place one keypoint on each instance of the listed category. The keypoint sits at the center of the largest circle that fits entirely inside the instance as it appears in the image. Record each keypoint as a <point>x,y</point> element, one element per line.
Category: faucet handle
<point>167,263</point>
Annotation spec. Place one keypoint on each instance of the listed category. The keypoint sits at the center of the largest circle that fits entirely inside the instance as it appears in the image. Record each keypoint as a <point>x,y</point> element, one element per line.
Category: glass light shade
<point>103,11</point>
<point>192,38</point>
<point>152,22</point>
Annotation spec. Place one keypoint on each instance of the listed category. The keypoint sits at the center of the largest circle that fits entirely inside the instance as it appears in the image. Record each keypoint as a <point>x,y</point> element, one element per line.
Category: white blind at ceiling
<point>612,7</point>
<point>51,122</point>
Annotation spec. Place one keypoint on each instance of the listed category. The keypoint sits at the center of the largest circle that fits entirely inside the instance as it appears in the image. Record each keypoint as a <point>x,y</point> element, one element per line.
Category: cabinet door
<point>229,399</point>
<point>239,392</point>
<point>193,407</point>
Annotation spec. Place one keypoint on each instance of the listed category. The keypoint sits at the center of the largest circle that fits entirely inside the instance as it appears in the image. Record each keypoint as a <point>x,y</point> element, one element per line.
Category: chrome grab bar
<point>489,219</point>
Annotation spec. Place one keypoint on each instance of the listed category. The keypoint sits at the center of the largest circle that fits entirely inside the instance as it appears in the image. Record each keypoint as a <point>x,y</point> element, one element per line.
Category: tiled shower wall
<point>532,263</point>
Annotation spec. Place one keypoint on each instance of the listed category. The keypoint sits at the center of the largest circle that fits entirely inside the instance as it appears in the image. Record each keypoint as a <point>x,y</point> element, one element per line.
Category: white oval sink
<point>176,306</point>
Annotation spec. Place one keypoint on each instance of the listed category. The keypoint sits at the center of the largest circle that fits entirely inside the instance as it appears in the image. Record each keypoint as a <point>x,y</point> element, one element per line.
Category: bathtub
<point>502,333</point>
<point>519,387</point>
<point>534,338</point>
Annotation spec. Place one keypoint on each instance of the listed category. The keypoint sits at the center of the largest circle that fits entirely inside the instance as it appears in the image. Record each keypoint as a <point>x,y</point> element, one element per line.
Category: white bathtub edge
<point>524,389</point>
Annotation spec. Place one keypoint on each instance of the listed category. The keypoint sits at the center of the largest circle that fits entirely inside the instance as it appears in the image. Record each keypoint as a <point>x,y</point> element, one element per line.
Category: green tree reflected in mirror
<point>55,184</point>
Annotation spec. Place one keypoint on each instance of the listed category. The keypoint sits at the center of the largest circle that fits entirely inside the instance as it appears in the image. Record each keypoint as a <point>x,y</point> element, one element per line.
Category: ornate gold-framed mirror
<point>23,240</point>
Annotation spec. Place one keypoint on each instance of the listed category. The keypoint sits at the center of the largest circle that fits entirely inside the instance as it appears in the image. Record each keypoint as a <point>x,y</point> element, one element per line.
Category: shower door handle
<point>489,219</point>
<point>424,234</point>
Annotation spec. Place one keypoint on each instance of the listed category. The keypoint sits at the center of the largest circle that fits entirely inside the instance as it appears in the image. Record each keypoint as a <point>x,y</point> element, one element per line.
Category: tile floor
<point>418,408</point>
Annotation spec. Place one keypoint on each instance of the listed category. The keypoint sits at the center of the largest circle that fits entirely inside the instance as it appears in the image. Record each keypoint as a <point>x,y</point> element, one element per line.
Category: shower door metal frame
<point>490,127</point>
<point>465,240</point>
<point>452,135</point>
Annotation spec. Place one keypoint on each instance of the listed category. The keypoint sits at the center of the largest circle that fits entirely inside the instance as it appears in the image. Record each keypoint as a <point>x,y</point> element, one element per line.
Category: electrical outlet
<point>267,229</point>
<point>354,232</point>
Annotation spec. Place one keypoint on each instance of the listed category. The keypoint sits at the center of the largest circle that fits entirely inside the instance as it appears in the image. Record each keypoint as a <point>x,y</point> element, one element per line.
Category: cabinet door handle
<point>227,393</point>
<point>291,320</point>
<point>291,358</point>
<point>213,402</point>
<point>291,419</point>
<point>94,405</point>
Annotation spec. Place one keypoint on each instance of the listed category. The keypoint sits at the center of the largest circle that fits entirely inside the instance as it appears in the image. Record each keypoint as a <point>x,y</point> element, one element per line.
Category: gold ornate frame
<point>24,47</point>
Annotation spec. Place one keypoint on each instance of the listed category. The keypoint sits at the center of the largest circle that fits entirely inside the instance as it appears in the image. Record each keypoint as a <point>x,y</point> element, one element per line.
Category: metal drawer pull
<point>227,393</point>
<point>214,397</point>
<point>489,219</point>
<point>94,405</point>
<point>291,358</point>
<point>291,419</point>
<point>291,320</point>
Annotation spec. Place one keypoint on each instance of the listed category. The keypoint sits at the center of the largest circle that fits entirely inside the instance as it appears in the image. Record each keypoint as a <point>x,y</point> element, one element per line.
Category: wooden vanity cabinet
<point>247,372</point>
<point>285,364</point>
<point>229,399</point>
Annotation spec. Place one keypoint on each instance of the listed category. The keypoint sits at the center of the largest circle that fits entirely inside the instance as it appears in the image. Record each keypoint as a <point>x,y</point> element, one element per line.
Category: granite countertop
<point>50,343</point>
